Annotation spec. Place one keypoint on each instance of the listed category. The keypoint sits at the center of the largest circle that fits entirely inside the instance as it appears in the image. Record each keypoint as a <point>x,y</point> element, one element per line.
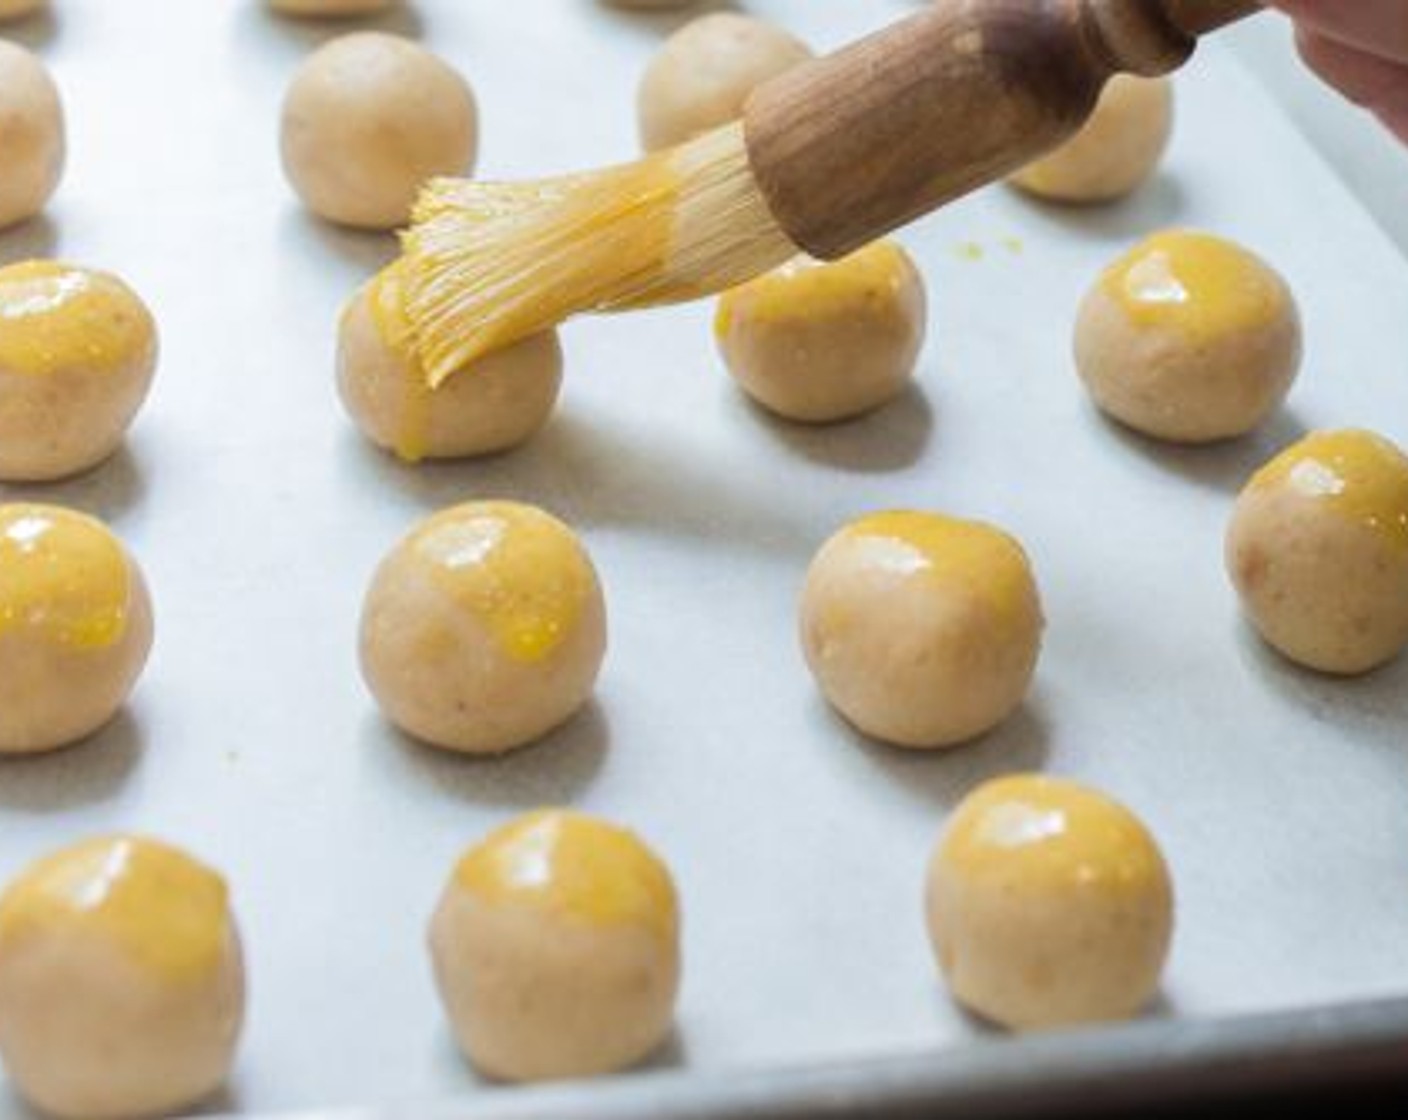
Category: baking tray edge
<point>1102,1071</point>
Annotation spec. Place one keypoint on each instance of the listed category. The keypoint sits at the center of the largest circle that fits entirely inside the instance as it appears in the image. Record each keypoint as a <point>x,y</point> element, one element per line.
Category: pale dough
<point>1188,338</point>
<point>1048,904</point>
<point>1116,151</point>
<point>922,630</point>
<point>1317,549</point>
<point>821,342</point>
<point>31,135</point>
<point>121,981</point>
<point>77,355</point>
<point>495,404</point>
<point>703,74</point>
<point>556,949</point>
<point>484,628</point>
<point>368,118</point>
<point>75,626</point>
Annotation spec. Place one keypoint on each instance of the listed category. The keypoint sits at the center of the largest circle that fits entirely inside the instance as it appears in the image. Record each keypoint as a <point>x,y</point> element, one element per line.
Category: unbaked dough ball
<point>703,74</point>
<point>922,630</point>
<point>77,352</point>
<point>821,342</point>
<point>14,9</point>
<point>1188,338</point>
<point>484,629</point>
<point>1318,551</point>
<point>121,982</point>
<point>367,120</point>
<point>337,8</point>
<point>1118,148</point>
<point>1048,904</point>
<point>75,626</point>
<point>31,134</point>
<point>497,403</point>
<point>556,949</point>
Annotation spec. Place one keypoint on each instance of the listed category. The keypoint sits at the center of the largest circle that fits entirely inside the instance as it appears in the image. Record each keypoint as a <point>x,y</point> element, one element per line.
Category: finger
<point>1364,78</point>
<point>1396,120</point>
<point>1377,26</point>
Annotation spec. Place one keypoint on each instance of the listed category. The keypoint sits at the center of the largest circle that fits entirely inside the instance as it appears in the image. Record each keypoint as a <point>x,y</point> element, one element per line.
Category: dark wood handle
<point>852,146</point>
<point>1198,17</point>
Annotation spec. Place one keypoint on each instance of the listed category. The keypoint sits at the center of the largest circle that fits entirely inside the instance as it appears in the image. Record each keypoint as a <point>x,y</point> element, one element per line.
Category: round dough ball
<point>921,630</point>
<point>330,8</point>
<point>15,9</point>
<point>702,76</point>
<point>1048,904</point>
<point>1188,338</point>
<point>556,949</point>
<point>484,629</point>
<point>497,403</point>
<point>77,354</point>
<point>367,120</point>
<point>121,980</point>
<point>1318,551</point>
<point>31,134</point>
<point>75,626</point>
<point>1115,152</point>
<point>822,342</point>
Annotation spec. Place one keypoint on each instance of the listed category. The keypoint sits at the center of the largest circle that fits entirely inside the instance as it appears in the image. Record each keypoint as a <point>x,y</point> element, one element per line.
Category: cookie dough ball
<point>1318,551</point>
<point>330,8</point>
<point>75,627</point>
<point>31,134</point>
<point>497,403</point>
<point>15,9</point>
<point>368,119</point>
<point>484,629</point>
<point>704,73</point>
<point>1048,904</point>
<point>822,342</point>
<point>1188,338</point>
<point>556,949</point>
<point>121,982</point>
<point>1115,152</point>
<point>77,352</point>
<point>921,630</point>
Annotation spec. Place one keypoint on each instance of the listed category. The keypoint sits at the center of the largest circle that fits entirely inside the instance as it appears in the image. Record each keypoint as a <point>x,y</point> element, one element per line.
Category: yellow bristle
<point>491,263</point>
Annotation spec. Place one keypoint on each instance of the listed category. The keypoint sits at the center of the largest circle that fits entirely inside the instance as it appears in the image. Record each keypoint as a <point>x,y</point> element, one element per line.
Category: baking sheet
<point>259,515</point>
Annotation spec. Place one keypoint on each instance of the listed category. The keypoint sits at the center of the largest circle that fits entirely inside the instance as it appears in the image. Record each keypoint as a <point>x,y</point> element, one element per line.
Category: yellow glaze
<point>386,299</point>
<point>516,568</point>
<point>162,908</point>
<point>985,560</point>
<point>807,289</point>
<point>64,577</point>
<point>574,865</point>
<point>1357,474</point>
<point>54,317</point>
<point>1195,283</point>
<point>1047,835</point>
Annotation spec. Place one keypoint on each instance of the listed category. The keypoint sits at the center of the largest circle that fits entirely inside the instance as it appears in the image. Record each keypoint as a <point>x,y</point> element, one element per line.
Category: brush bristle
<point>491,263</point>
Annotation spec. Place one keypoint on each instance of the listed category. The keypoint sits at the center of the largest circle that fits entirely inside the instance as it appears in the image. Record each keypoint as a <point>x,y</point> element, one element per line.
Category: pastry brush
<point>826,158</point>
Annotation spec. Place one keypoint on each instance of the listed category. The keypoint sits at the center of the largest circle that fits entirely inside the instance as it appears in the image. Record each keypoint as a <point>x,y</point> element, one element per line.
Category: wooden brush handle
<point>852,146</point>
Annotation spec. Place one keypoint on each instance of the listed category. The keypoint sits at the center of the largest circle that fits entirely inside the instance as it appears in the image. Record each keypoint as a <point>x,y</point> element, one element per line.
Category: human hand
<point>1361,48</point>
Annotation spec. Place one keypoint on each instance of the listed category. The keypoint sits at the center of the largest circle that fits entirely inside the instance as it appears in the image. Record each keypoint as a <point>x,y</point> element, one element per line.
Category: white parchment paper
<point>259,514</point>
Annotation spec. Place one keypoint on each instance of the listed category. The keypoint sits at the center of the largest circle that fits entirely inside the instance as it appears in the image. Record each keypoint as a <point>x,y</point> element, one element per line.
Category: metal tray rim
<point>1098,1070</point>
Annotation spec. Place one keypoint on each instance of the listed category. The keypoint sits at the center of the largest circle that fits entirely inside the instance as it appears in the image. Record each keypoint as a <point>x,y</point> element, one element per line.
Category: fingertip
<point>1364,78</point>
<point>1396,121</point>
